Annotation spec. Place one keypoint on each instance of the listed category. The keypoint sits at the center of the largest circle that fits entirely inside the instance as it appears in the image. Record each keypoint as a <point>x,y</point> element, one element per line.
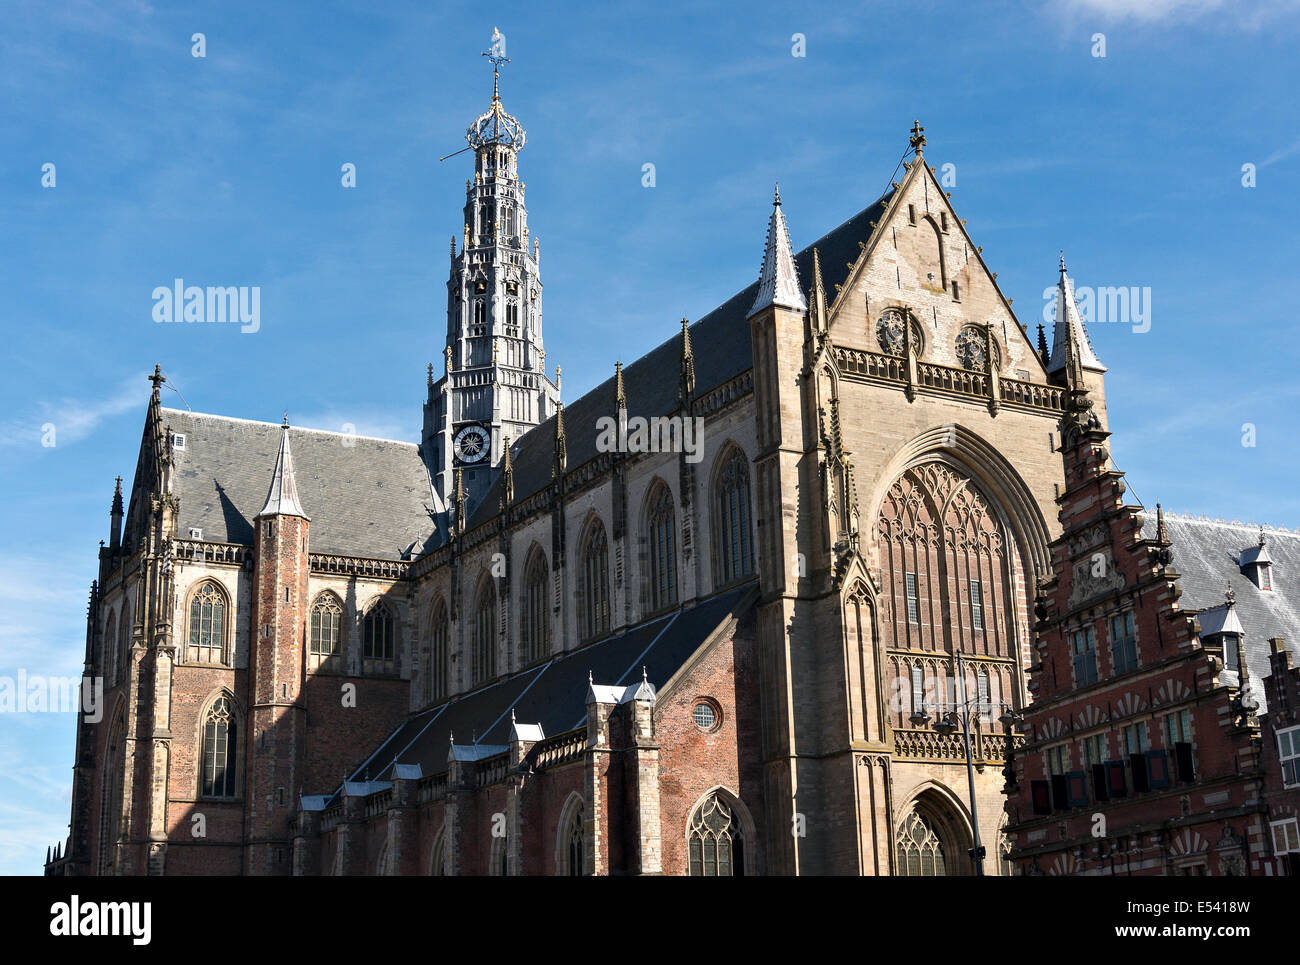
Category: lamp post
<point>946,726</point>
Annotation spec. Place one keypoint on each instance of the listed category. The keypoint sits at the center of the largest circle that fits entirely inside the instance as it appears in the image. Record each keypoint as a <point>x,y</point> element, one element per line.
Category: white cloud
<point>72,419</point>
<point>1176,11</point>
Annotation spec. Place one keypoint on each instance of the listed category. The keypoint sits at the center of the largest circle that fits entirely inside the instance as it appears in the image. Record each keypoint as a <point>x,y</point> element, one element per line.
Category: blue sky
<point>225,170</point>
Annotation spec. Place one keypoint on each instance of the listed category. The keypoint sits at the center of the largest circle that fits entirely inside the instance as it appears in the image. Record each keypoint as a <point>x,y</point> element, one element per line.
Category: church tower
<point>494,383</point>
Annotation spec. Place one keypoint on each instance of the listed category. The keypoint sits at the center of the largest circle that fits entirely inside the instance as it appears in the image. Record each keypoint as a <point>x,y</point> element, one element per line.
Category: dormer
<point>1222,632</point>
<point>1256,565</point>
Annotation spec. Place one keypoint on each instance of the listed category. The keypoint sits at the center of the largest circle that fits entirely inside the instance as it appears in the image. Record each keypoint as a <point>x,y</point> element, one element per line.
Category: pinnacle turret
<point>778,282</point>
<point>1069,328</point>
<point>282,499</point>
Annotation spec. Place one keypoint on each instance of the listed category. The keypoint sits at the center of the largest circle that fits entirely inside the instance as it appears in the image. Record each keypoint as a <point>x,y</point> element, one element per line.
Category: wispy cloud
<point>68,419</point>
<point>1223,13</point>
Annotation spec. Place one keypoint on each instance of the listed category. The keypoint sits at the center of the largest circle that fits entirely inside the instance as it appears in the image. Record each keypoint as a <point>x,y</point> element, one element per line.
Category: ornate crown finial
<point>495,126</point>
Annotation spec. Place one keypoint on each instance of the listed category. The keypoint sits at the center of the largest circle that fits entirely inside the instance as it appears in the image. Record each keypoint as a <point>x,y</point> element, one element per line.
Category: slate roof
<point>1206,554</point>
<point>365,497</point>
<point>721,345</point>
<point>553,694</point>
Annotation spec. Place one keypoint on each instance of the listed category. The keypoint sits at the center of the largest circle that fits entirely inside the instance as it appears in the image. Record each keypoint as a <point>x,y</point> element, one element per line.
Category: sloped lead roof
<point>553,695</point>
<point>721,344</point>
<point>368,497</point>
<point>1206,554</point>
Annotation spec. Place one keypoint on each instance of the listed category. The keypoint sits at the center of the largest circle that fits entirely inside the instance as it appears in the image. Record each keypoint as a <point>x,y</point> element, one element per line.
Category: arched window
<point>731,520</point>
<point>537,614</point>
<point>110,798</point>
<point>324,649</point>
<point>715,841</point>
<point>439,670</point>
<point>438,861</point>
<point>379,635</point>
<point>595,583</point>
<point>123,647</point>
<point>920,852</point>
<point>207,625</point>
<point>220,755</point>
<point>661,531</point>
<point>572,843</point>
<point>485,635</point>
<point>108,648</point>
<point>497,860</point>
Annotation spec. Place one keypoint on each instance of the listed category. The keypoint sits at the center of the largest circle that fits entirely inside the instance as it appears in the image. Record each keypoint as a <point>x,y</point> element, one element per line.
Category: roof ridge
<point>276,425</point>
<point>1251,527</point>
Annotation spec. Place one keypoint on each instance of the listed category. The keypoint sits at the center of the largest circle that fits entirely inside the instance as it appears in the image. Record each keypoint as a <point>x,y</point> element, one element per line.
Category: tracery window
<point>485,636</point>
<point>439,663</point>
<point>324,651</point>
<point>661,529</point>
<point>950,579</point>
<point>595,583</point>
<point>920,849</point>
<point>715,840</point>
<point>536,612</point>
<point>379,639</point>
<point>890,329</point>
<point>220,749</point>
<point>973,351</point>
<point>572,846</point>
<point>731,520</point>
<point>207,639</point>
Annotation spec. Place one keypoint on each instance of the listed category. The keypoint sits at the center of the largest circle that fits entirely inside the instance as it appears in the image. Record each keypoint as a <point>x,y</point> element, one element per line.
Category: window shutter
<point>1158,769</point>
<point>1038,792</point>
<point>1099,790</point>
<point>1116,785</point>
<point>1077,788</point>
<point>1183,759</point>
<point>1138,765</point>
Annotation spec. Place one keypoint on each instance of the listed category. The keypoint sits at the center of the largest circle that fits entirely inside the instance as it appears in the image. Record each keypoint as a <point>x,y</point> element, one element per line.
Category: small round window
<point>705,715</point>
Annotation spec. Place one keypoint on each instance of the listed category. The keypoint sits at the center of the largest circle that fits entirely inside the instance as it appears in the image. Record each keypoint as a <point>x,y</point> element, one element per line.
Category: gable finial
<point>157,378</point>
<point>917,139</point>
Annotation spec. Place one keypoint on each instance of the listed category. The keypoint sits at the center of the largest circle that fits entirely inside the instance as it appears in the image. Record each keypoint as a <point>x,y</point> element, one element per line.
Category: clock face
<point>472,443</point>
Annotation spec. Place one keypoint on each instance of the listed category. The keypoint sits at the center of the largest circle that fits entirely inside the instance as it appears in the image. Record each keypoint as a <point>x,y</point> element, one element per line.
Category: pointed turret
<point>115,518</point>
<point>1044,355</point>
<point>282,500</point>
<point>507,475</point>
<point>686,378</point>
<point>1069,328</point>
<point>561,459</point>
<point>816,298</point>
<point>778,282</point>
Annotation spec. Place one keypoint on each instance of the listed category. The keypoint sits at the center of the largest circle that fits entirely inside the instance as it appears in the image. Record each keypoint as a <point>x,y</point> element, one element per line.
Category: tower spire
<point>282,500</point>
<point>1069,328</point>
<point>778,281</point>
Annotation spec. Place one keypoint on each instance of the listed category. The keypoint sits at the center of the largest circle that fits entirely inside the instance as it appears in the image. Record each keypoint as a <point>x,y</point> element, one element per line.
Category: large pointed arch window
<point>536,612</point>
<point>595,583</point>
<point>220,752</point>
<point>123,664</point>
<point>661,532</point>
<point>733,540</point>
<point>110,800</point>
<point>324,645</point>
<point>573,843</point>
<point>207,637</point>
<point>715,841</point>
<point>107,649</point>
<point>379,639</point>
<point>485,636</point>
